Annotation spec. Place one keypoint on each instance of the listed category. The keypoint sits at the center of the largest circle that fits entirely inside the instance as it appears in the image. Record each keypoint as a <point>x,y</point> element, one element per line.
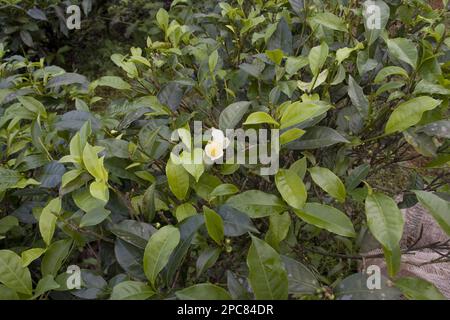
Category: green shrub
<point>87,177</point>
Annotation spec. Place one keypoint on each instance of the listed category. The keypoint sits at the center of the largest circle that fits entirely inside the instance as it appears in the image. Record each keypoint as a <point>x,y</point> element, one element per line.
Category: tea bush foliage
<point>87,179</point>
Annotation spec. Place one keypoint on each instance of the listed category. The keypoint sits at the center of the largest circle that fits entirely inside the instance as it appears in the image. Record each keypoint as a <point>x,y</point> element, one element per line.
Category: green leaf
<point>54,257</point>
<point>256,204</point>
<point>409,113</point>
<point>317,58</point>
<point>203,291</point>
<point>301,279</point>
<point>158,251</point>
<point>329,182</point>
<point>418,289</point>
<point>299,112</point>
<point>291,188</point>
<point>212,61</point>
<point>28,256</point>
<point>185,211</point>
<point>225,189</point>
<point>13,274</point>
<point>47,219</point>
<point>328,218</point>
<point>45,284</point>
<point>357,176</point>
<point>232,115</point>
<point>214,225</point>
<point>206,259</point>
<point>131,290</point>
<point>390,71</point>
<point>7,223</point>
<point>178,179</point>
<point>330,20</point>
<point>94,217</point>
<point>113,82</point>
<point>267,276</point>
<point>281,38</point>
<point>393,260</point>
<point>384,220</point>
<point>437,207</point>
<point>33,105</point>
<point>260,117</point>
<point>278,229</point>
<point>404,50</point>
<point>359,100</point>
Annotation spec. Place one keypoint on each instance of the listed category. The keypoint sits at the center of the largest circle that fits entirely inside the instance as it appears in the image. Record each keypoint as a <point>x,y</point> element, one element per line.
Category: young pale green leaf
<point>178,179</point>
<point>203,291</point>
<point>330,20</point>
<point>185,211</point>
<point>13,274</point>
<point>47,219</point>
<point>131,290</point>
<point>92,163</point>
<point>291,188</point>
<point>278,229</point>
<point>158,251</point>
<point>266,276</point>
<point>409,113</point>
<point>99,190</point>
<point>214,225</point>
<point>256,204</point>
<point>329,182</point>
<point>276,56</point>
<point>404,50</point>
<point>328,218</point>
<point>28,256</point>
<point>384,220</point>
<point>437,207</point>
<point>299,112</point>
<point>418,289</point>
<point>260,117</point>
<point>317,58</point>
<point>299,167</point>
<point>162,17</point>
<point>291,135</point>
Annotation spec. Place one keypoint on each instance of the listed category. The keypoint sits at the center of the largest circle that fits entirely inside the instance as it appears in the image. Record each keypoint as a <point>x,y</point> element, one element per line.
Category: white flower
<point>219,137</point>
<point>214,150</point>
